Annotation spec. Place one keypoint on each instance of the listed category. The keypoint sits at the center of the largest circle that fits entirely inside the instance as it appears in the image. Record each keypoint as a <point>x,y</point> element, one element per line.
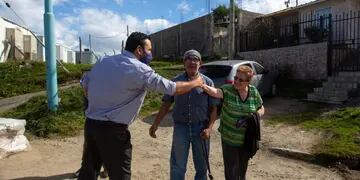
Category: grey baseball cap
<point>192,53</point>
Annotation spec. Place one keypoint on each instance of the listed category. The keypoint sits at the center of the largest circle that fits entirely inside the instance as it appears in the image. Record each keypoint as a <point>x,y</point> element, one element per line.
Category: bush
<point>18,78</point>
<point>40,121</point>
<point>316,34</point>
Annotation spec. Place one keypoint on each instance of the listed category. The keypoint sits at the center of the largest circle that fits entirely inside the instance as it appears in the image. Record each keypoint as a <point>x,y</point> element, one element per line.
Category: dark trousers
<point>235,162</point>
<point>107,143</point>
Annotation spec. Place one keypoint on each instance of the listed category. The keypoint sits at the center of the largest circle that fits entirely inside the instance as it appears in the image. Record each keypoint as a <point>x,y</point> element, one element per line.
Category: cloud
<point>183,6</point>
<point>57,2</point>
<point>119,2</point>
<point>108,29</point>
<point>199,13</point>
<point>153,25</point>
<point>266,6</point>
<point>30,11</point>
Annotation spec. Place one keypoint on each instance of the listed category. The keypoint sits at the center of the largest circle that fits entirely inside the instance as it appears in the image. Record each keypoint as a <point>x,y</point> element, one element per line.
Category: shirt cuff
<point>172,88</point>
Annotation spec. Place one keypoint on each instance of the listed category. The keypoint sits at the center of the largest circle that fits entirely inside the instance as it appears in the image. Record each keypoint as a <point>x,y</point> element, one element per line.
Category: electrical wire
<point>8,5</point>
<point>27,28</point>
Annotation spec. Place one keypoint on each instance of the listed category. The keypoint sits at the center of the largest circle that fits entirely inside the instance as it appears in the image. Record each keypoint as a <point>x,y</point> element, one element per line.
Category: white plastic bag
<point>12,127</point>
<point>13,145</point>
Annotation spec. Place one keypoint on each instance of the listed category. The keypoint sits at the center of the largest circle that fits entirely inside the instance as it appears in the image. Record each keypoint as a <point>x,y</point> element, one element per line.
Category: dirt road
<point>58,159</point>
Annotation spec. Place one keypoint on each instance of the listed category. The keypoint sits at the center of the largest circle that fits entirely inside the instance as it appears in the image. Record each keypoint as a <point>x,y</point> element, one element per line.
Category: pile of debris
<point>12,139</point>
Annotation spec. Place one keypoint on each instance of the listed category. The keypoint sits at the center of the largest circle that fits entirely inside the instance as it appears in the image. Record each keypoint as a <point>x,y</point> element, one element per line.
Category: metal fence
<point>342,32</point>
<point>344,44</point>
<point>291,33</point>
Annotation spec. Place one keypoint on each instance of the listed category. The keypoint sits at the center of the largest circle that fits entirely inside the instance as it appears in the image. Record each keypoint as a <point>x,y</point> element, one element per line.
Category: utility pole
<point>90,42</point>
<point>211,31</point>
<point>231,30</point>
<point>50,54</point>
<point>180,34</point>
<point>287,3</point>
<point>122,46</point>
<point>80,50</point>
<point>161,38</point>
<point>127,30</point>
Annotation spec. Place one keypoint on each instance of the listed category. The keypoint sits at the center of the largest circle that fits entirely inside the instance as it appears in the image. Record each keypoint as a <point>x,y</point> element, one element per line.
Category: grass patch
<point>343,133</point>
<point>41,122</point>
<point>18,78</point>
<point>163,63</point>
<point>341,128</point>
<point>311,112</point>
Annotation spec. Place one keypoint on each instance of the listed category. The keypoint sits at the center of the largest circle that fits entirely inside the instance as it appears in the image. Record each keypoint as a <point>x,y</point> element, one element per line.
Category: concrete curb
<point>293,153</point>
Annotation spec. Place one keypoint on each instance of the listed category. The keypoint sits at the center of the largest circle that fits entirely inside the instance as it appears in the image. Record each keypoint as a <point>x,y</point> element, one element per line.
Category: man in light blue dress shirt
<point>116,87</point>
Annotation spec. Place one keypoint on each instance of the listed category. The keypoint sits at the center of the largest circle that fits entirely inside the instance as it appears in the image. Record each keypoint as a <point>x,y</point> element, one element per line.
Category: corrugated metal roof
<point>14,23</point>
<point>288,10</point>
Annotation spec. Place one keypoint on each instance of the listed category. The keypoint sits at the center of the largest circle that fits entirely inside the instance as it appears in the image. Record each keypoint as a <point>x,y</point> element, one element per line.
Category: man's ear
<point>138,50</point>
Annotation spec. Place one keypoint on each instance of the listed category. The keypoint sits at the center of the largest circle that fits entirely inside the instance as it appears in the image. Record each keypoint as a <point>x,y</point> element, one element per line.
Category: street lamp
<point>50,55</point>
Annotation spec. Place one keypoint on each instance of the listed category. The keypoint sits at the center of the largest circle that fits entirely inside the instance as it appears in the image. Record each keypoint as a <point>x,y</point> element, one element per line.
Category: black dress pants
<point>106,143</point>
<point>235,162</point>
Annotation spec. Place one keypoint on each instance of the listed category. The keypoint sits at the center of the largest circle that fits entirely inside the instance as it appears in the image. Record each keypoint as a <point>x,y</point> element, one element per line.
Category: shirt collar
<point>128,54</point>
<point>187,77</point>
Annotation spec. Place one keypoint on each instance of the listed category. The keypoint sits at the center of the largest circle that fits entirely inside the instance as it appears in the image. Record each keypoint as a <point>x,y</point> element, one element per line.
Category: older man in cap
<point>193,115</point>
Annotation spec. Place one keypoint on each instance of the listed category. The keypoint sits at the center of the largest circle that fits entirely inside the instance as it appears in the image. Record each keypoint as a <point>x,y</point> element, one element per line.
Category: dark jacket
<point>252,134</point>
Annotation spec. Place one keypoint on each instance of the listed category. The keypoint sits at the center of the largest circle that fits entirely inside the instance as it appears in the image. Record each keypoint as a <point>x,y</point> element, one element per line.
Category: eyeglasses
<point>192,59</point>
<point>241,80</point>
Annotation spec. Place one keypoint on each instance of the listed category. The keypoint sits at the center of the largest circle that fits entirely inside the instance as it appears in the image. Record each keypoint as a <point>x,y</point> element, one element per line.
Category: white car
<point>223,72</point>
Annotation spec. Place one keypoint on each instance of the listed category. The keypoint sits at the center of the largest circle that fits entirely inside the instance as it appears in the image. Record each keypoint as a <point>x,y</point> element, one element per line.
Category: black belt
<point>107,123</point>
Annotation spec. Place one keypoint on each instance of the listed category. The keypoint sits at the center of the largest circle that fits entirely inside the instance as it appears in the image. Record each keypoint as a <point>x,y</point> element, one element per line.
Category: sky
<point>107,20</point>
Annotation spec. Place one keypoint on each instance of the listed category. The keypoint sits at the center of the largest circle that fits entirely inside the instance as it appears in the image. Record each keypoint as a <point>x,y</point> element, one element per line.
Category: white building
<point>40,49</point>
<point>18,43</point>
<point>65,54</point>
<point>87,57</point>
<point>71,57</point>
<point>14,35</point>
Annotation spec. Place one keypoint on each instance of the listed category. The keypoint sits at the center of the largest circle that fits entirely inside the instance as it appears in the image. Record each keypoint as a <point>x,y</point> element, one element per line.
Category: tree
<point>221,12</point>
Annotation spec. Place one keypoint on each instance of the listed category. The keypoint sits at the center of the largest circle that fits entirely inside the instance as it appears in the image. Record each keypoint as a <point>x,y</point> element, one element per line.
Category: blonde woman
<point>240,100</point>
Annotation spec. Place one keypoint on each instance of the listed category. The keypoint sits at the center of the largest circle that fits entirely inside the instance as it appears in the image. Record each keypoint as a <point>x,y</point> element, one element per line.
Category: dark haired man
<point>116,87</point>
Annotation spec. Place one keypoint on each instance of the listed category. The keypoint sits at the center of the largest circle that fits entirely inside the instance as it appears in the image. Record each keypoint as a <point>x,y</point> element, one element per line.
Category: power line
<point>105,37</point>
<point>8,5</point>
<point>37,38</point>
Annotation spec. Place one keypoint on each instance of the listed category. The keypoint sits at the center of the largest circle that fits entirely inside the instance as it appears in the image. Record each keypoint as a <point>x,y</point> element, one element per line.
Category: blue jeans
<point>184,135</point>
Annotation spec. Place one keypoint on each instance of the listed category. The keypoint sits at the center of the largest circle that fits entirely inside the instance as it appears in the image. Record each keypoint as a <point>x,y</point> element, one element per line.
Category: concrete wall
<point>174,41</point>
<point>15,37</point>
<point>338,9</point>
<point>2,41</point>
<point>87,57</point>
<point>307,61</point>
<point>30,47</point>
<point>246,17</point>
<point>71,56</point>
<point>61,53</point>
<point>10,30</point>
<point>40,50</point>
<point>27,45</point>
<point>194,34</point>
<point>221,42</point>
